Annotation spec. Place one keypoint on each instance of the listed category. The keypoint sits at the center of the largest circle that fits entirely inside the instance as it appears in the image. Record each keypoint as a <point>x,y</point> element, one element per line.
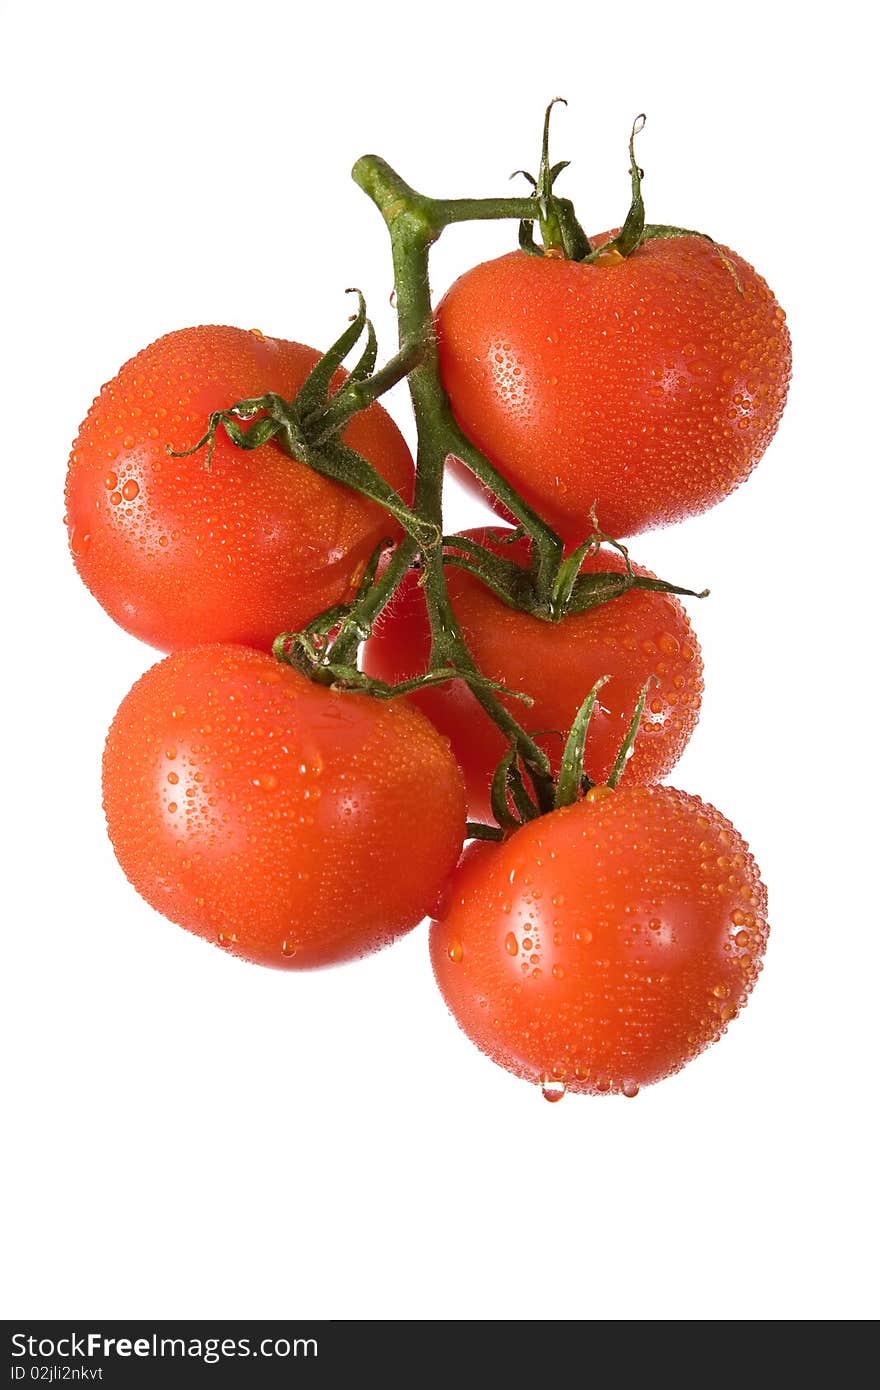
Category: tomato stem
<point>414,223</point>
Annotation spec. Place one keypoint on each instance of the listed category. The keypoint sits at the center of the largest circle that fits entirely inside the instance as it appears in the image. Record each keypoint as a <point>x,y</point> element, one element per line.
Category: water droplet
<point>262,338</point>
<point>630,1089</point>
<point>552,1090</point>
<point>130,490</point>
<point>742,938</point>
<point>510,944</point>
<point>528,943</point>
<point>598,793</point>
<point>558,972</point>
<point>173,778</point>
<point>225,938</point>
<point>455,950</point>
<point>115,498</point>
<point>288,948</point>
<point>721,990</point>
<point>110,481</point>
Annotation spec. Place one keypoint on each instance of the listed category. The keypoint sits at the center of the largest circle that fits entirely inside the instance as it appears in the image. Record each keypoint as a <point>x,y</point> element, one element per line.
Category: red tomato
<point>293,825</point>
<point>650,386</point>
<point>180,555</point>
<point>630,638</point>
<point>603,946</point>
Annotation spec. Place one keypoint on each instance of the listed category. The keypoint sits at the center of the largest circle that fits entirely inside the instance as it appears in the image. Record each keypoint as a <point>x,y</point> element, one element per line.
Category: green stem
<point>416,220</point>
<point>444,212</point>
<point>414,224</point>
<point>356,627</point>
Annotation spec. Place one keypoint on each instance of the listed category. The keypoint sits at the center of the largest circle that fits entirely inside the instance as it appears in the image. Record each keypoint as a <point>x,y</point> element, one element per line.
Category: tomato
<point>630,638</point>
<point>649,385</point>
<point>293,825</point>
<point>603,946</point>
<point>258,545</point>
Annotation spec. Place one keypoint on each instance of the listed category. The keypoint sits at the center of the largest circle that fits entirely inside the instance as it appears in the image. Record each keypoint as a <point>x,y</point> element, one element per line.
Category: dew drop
<point>510,944</point>
<point>598,793</point>
<point>552,1090</point>
<point>130,490</point>
<point>630,1089</point>
<point>455,950</point>
<point>288,948</point>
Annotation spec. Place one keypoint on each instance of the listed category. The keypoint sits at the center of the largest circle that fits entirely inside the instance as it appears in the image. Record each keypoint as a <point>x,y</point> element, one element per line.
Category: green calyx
<point>513,805</point>
<point>635,230</point>
<point>570,591</point>
<point>562,235</point>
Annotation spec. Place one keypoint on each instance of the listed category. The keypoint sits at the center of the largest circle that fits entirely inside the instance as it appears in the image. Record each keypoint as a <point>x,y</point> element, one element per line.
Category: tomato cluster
<point>269,795</point>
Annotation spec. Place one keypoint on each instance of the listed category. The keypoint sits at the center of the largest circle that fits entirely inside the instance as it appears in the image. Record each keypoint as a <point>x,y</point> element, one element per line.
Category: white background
<point>190,1136</point>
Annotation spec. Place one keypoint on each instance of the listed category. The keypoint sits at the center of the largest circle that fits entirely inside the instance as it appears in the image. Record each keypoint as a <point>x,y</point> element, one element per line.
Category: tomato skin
<point>605,945</point>
<point>180,555</point>
<point>267,814</point>
<point>650,386</point>
<point>630,638</point>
